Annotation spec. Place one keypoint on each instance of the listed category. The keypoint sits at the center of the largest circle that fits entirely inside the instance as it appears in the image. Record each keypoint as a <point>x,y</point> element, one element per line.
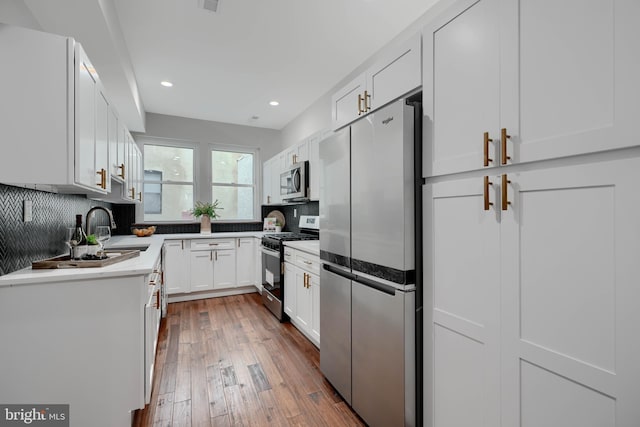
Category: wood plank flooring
<point>229,362</point>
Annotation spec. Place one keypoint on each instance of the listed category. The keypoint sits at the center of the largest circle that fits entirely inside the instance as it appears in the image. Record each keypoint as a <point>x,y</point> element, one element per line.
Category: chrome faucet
<point>100,208</point>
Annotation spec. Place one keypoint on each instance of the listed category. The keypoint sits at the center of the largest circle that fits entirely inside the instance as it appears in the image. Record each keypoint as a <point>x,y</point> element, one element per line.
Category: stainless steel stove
<point>273,263</point>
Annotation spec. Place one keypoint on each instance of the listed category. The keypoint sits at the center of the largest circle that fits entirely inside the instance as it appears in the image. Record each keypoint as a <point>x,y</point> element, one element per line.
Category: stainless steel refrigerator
<point>368,251</point>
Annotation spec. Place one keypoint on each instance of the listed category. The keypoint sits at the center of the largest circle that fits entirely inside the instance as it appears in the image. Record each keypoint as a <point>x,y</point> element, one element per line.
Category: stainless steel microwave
<point>294,182</point>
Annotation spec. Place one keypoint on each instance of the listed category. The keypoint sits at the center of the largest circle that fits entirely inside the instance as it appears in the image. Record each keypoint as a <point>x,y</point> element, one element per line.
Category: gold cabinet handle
<point>140,196</point>
<point>487,140</point>
<point>503,148</point>
<point>360,110</point>
<point>103,179</point>
<point>485,192</point>
<point>295,159</point>
<point>216,255</point>
<point>211,256</point>
<point>121,167</point>
<point>367,97</point>
<point>133,193</point>
<point>505,194</point>
<point>268,199</point>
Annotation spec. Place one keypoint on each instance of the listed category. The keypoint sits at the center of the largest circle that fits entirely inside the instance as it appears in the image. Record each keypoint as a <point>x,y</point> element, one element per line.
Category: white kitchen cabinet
<point>396,73</point>
<point>302,292</point>
<point>290,289</point>
<point>347,103</point>
<point>271,179</point>
<point>134,172</point>
<point>177,273</point>
<point>245,262</point>
<point>201,278</point>
<point>224,269</point>
<point>257,242</point>
<point>303,304</point>
<point>314,286</point>
<point>537,91</point>
<point>533,308</point>
<point>51,118</point>
<point>114,139</point>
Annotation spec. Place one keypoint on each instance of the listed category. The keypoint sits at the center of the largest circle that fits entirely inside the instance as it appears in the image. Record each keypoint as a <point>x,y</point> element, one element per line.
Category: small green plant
<point>92,240</point>
<point>206,208</point>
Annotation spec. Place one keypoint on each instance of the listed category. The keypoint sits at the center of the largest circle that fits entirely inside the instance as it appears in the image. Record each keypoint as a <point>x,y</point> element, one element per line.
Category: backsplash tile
<point>291,222</point>
<point>20,242</point>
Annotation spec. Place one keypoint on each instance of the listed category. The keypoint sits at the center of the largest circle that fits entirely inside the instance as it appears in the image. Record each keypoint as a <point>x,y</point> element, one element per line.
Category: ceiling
<point>228,65</point>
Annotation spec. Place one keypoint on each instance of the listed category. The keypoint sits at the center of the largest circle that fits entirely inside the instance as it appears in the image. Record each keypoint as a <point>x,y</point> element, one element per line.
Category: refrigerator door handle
<point>339,272</point>
<point>389,290</point>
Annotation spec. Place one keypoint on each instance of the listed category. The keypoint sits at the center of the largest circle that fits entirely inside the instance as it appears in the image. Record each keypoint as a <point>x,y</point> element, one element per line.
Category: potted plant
<point>92,245</point>
<point>208,212</point>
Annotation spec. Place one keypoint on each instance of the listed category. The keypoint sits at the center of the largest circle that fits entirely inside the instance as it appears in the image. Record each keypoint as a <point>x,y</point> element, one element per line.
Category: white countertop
<point>139,265</point>
<point>310,246</point>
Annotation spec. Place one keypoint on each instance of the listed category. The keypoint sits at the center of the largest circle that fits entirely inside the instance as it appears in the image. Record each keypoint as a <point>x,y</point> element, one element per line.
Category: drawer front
<point>209,244</point>
<point>307,262</point>
<point>289,254</point>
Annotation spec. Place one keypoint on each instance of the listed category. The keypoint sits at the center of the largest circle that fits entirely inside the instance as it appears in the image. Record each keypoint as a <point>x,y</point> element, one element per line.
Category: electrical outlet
<point>295,212</point>
<point>27,212</point>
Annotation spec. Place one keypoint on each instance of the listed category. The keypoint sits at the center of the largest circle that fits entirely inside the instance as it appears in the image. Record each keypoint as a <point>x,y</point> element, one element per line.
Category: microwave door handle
<point>296,180</point>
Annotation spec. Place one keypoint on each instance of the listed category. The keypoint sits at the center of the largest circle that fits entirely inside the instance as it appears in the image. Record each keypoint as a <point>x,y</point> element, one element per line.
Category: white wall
<point>268,141</point>
<point>318,116</point>
<point>15,12</point>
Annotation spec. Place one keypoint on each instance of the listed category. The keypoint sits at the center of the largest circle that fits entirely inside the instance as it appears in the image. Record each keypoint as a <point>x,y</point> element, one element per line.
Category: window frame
<point>256,180</point>
<point>202,174</point>
<point>172,143</point>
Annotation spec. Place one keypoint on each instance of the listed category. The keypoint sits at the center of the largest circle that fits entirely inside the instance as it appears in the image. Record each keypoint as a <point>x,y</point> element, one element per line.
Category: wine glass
<point>67,239</point>
<point>103,233</point>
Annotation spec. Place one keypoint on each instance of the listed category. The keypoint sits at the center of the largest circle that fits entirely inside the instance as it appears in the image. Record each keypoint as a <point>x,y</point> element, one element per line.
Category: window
<point>168,183</point>
<point>232,183</point>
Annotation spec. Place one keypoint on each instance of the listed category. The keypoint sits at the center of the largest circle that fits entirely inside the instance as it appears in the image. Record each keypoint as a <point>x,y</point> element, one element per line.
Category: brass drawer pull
<point>503,148</point>
<point>487,140</point>
<point>505,195</point>
<point>485,192</point>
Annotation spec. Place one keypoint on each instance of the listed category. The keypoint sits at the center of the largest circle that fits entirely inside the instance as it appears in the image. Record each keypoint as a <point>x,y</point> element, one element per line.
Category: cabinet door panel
<point>395,75</point>
<point>245,262</point>
<point>303,301</point>
<point>314,283</point>
<point>465,318</point>
<point>202,270</point>
<point>462,87</point>
<point>569,276</point>
<point>102,140</point>
<point>224,269</point>
<point>344,103</point>
<point>567,83</point>
<point>290,289</point>
<point>85,122</point>
<point>176,267</point>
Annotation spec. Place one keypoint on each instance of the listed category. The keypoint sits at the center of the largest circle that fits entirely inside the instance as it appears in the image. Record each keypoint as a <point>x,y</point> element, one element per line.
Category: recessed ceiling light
<point>166,83</point>
<point>274,103</point>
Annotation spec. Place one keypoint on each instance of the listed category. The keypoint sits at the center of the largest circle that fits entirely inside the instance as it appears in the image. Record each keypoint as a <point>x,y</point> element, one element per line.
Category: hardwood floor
<point>229,362</point>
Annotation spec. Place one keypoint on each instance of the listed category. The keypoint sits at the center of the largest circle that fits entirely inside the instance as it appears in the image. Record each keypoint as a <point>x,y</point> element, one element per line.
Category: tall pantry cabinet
<point>532,215</point>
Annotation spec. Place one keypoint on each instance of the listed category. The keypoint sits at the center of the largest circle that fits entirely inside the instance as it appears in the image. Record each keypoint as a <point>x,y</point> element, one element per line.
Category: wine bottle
<point>78,240</point>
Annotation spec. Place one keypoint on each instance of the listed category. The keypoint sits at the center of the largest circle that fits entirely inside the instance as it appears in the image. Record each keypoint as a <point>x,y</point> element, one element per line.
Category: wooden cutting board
<point>65,261</point>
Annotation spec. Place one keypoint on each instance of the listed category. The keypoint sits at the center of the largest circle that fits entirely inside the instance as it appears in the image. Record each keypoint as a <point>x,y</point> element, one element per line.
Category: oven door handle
<point>271,252</point>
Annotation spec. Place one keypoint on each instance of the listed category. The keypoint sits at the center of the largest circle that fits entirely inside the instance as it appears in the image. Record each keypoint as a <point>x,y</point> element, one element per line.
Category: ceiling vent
<point>210,5</point>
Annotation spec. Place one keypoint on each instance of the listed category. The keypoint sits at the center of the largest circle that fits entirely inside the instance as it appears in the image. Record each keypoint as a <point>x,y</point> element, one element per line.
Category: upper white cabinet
<point>56,122</point>
<point>536,91</point>
<point>397,72</point>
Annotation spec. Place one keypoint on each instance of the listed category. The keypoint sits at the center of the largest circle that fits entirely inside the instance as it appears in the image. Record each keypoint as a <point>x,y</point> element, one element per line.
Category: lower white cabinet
<point>257,268</point>
<point>245,260</point>
<point>209,264</point>
<point>201,270</point>
<point>302,292</point>
<point>176,266</point>
<point>224,269</point>
<point>533,311</point>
